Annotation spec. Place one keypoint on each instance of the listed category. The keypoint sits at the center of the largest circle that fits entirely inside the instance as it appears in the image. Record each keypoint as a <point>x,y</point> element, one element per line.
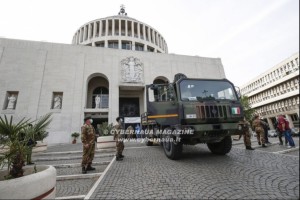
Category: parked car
<point>295,131</point>
<point>272,133</point>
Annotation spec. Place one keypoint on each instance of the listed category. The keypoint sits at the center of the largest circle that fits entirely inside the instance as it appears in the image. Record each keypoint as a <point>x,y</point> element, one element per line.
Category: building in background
<point>75,80</point>
<point>276,91</point>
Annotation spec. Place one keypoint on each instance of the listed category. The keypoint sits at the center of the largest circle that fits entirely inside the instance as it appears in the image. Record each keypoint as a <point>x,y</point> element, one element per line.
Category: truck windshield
<point>193,90</point>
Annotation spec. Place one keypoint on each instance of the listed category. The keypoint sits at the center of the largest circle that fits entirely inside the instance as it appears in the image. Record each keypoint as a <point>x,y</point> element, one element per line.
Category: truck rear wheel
<point>221,148</point>
<point>172,150</point>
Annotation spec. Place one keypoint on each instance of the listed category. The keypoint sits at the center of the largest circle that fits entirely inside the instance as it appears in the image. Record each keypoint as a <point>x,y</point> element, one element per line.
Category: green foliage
<point>14,138</point>
<point>75,135</point>
<point>247,108</point>
<point>105,129</point>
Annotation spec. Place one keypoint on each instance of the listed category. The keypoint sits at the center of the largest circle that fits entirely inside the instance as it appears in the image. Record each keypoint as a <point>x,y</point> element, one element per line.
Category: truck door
<point>162,104</point>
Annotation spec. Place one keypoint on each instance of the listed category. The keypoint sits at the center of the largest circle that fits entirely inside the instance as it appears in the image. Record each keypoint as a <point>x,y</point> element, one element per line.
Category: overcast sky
<point>250,36</point>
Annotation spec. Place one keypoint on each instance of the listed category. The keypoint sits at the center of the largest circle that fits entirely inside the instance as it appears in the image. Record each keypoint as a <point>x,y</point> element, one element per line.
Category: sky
<point>250,36</point>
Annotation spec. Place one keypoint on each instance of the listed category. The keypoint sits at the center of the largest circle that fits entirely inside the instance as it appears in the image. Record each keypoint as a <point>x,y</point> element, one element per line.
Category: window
<point>193,90</point>
<point>126,45</point>
<point>113,44</point>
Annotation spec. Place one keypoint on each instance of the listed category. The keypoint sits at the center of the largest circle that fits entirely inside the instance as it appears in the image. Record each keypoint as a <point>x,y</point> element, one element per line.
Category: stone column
<point>106,27</point>
<point>149,34</point>
<point>89,31</point>
<point>113,100</point>
<point>80,35</point>
<point>138,30</point>
<point>84,33</point>
<point>100,28</point>
<point>119,44</point>
<point>94,29</point>
<point>132,29</point>
<point>144,31</point>
<point>153,35</point>
<point>113,27</point>
<point>126,28</point>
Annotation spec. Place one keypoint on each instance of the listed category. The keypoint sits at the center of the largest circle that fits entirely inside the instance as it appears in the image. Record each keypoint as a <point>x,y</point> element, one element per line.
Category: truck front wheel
<point>172,150</point>
<point>221,148</point>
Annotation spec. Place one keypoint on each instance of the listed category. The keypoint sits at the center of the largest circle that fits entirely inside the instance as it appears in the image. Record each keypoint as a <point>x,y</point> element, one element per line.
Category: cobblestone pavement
<point>146,173</point>
<point>74,187</point>
<point>77,170</point>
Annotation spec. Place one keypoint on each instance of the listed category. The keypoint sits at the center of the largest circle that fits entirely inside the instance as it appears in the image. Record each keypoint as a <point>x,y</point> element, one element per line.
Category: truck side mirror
<point>238,91</point>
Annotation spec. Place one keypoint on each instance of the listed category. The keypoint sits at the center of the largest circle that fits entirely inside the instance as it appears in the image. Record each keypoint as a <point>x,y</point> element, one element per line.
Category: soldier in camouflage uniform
<point>258,128</point>
<point>246,134</point>
<point>88,142</point>
<point>117,136</point>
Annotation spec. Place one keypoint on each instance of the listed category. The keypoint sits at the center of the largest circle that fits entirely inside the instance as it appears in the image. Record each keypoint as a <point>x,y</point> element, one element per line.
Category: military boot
<point>263,145</point>
<point>83,170</point>
<point>118,158</point>
<point>249,148</point>
<point>122,156</point>
<point>90,168</point>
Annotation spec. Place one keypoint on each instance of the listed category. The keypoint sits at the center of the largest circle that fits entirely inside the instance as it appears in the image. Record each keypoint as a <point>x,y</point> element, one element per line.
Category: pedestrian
<point>258,128</point>
<point>88,142</point>
<point>283,126</point>
<point>118,132</point>
<point>280,134</point>
<point>246,133</point>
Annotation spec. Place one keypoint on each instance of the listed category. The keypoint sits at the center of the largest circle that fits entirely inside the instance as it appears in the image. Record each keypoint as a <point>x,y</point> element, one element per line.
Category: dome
<point>120,32</point>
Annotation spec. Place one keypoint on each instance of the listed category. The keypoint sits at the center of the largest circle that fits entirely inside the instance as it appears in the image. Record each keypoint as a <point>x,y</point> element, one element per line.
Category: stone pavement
<point>146,173</point>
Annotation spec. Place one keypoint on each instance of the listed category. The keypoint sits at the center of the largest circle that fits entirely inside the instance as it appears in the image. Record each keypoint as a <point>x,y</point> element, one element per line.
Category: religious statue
<point>97,101</point>
<point>11,102</point>
<point>57,102</point>
<point>132,70</point>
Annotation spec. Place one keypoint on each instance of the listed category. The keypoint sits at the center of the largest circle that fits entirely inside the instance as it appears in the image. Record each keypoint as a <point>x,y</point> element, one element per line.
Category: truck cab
<point>191,111</point>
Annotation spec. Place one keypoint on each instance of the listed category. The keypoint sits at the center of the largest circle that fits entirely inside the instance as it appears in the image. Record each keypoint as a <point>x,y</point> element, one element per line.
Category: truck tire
<point>172,150</point>
<point>221,148</point>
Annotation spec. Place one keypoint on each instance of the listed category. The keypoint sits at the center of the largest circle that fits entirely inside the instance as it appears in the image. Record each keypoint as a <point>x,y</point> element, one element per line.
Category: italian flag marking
<point>236,110</point>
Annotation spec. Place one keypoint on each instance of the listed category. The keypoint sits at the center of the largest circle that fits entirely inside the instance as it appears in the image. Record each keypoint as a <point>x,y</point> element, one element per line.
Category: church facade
<point>86,78</point>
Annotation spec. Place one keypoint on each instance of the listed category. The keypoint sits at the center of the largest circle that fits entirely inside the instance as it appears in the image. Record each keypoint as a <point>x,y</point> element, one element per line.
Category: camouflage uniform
<point>260,133</point>
<point>246,134</point>
<point>88,137</point>
<point>117,137</point>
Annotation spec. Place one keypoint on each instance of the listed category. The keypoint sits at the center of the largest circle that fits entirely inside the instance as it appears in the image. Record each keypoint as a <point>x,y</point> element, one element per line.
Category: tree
<point>248,111</point>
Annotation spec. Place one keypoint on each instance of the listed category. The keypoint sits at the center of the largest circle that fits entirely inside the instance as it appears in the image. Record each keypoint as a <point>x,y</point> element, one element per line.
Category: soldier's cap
<point>118,118</point>
<point>87,117</point>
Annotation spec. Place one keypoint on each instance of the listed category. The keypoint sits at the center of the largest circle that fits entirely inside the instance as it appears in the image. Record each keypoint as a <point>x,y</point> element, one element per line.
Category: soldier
<point>258,128</point>
<point>88,142</point>
<point>118,137</point>
<point>246,134</point>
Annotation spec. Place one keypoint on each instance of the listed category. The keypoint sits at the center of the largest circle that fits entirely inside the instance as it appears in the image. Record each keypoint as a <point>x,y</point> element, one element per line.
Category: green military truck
<point>191,111</point>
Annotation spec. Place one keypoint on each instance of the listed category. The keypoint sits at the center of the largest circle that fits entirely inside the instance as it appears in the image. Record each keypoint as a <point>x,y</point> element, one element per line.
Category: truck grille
<point>205,112</point>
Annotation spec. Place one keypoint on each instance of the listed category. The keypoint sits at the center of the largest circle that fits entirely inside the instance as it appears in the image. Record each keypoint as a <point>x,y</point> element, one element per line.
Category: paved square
<point>146,173</point>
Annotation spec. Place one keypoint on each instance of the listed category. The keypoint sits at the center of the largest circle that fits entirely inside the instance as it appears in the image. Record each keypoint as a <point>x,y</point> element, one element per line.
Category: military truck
<point>191,111</point>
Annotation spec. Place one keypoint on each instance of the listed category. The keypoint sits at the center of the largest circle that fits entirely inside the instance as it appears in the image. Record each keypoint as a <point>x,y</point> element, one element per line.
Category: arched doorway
<point>97,86</point>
